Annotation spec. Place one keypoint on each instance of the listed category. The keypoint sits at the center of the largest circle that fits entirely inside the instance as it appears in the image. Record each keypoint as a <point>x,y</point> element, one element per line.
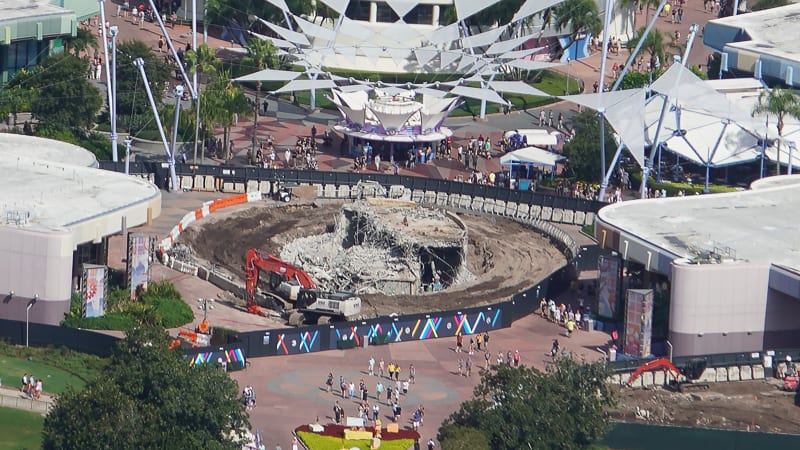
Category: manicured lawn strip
<point>317,442</point>
<point>20,429</point>
<point>65,367</point>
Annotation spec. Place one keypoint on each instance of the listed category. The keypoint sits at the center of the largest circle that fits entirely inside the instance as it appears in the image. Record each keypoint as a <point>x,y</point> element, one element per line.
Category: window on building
<point>358,10</point>
<point>421,15</point>
<point>386,13</point>
<point>22,55</point>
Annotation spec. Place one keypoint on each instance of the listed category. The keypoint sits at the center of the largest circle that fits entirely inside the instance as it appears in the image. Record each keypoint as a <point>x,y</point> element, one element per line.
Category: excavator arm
<point>257,260</point>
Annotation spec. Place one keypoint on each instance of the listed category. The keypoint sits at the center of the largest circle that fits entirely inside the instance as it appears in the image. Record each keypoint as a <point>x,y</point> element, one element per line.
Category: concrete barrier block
<point>647,379</point>
<point>614,380</point>
<point>429,198</point>
<point>722,374</point>
<point>264,187</point>
<point>659,378</point>
<point>416,196</point>
<point>477,204</point>
<point>186,182</point>
<point>396,191</point>
<point>211,183</point>
<point>709,376</point>
<point>758,372</point>
<point>343,192</point>
<point>465,202</point>
<point>227,187</point>
<point>558,215</point>
<point>499,207</point>
<point>547,213</point>
<point>522,210</point>
<point>239,188</point>
<point>733,373</point>
<point>535,212</point>
<point>454,200</point>
<point>579,218</point>
<point>511,209</point>
<point>441,198</point>
<point>569,216</point>
<point>488,205</point>
<point>589,218</point>
<point>199,183</point>
<point>637,383</point>
<point>745,373</point>
<point>252,185</point>
<point>329,191</point>
<point>318,190</point>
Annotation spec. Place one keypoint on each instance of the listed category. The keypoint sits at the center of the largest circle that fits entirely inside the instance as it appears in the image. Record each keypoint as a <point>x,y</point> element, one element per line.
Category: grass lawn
<point>55,380</point>
<point>316,442</point>
<point>20,429</point>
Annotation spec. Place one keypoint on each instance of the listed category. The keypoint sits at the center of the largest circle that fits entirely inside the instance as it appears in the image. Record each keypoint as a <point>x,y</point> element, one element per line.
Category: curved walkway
<point>14,398</point>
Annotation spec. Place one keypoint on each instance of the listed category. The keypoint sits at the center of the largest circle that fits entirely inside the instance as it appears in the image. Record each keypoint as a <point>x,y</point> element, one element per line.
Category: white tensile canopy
<point>478,93</point>
<point>531,155</point>
<point>624,111</point>
<point>270,75</point>
<point>517,87</point>
<point>306,85</point>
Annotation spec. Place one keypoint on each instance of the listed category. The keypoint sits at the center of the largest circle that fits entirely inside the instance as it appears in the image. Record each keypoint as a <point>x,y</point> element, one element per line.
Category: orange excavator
<point>295,290</point>
<point>684,379</point>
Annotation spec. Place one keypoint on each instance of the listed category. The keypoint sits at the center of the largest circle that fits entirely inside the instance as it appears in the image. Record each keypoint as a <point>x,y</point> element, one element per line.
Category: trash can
<point>588,324</point>
<point>612,354</point>
<point>365,340</point>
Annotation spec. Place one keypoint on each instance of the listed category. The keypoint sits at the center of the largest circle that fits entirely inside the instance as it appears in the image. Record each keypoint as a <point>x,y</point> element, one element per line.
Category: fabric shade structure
<point>314,30</point>
<point>517,87</point>
<point>270,75</point>
<point>306,85</point>
<point>337,5</point>
<point>517,54</point>
<point>531,7</point>
<point>482,39</point>
<point>478,93</point>
<point>402,7</point>
<point>425,55</point>
<point>508,45</point>
<point>280,43</point>
<point>527,64</point>
<point>624,110</point>
<point>466,8</point>
<point>393,118</point>
<point>289,35</point>
<point>356,116</point>
<point>531,155</point>
<point>444,35</point>
<point>355,29</point>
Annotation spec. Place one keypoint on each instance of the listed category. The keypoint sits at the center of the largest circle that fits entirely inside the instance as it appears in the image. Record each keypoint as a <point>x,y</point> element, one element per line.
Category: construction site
<point>397,256</point>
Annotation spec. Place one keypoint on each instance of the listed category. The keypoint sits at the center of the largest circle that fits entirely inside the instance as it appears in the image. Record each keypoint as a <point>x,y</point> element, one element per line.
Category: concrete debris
<point>385,247</point>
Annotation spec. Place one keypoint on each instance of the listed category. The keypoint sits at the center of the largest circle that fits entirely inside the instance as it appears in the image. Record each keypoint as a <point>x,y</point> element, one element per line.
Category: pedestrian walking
<point>371,365</point>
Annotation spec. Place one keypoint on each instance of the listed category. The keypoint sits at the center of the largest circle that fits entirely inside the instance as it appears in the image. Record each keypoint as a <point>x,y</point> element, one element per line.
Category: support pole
<point>764,146</point>
<point>109,92</point>
<point>791,150</point>
<point>178,95</point>
<point>636,50</point>
<point>172,49</point>
<point>139,63</point>
<point>606,24</point>
<point>607,177</point>
<point>196,85</point>
<point>128,141</point>
<point>485,85</point>
<point>114,136</point>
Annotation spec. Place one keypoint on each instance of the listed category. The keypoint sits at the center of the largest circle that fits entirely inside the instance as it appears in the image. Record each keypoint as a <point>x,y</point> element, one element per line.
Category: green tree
<point>220,105</point>
<point>583,152</point>
<point>580,17</point>
<point>63,94</point>
<point>149,397</point>
<point>769,4</point>
<point>16,96</point>
<point>205,63</point>
<point>131,94</point>
<point>653,43</point>
<point>454,437</point>
<point>560,408</point>
<point>82,41</point>
<point>263,55</point>
<point>781,103</point>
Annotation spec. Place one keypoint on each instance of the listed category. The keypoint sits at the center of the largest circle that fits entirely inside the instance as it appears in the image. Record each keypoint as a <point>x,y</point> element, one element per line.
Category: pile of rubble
<point>384,247</point>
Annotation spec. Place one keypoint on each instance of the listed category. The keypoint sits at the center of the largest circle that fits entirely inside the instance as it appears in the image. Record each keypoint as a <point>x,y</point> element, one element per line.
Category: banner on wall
<point>93,294</point>
<point>608,286</point>
<point>139,248</point>
<point>638,323</point>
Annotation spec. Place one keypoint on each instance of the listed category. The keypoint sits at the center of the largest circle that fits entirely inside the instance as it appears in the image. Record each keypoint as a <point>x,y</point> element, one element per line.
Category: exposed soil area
<point>743,405</point>
<point>503,255</point>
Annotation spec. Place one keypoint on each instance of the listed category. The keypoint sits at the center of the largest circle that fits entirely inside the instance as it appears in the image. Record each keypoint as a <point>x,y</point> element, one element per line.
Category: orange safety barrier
<point>227,202</point>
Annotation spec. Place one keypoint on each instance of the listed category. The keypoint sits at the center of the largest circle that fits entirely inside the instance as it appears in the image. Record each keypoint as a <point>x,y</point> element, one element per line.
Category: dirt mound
<point>504,256</point>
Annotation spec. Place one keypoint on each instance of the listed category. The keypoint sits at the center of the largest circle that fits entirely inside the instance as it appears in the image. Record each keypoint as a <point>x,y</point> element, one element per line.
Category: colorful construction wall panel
<point>233,356</point>
<point>433,326</point>
<point>638,323</point>
<point>292,342</point>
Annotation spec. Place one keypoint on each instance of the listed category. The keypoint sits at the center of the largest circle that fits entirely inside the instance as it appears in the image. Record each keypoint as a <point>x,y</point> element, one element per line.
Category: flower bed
<point>332,438</point>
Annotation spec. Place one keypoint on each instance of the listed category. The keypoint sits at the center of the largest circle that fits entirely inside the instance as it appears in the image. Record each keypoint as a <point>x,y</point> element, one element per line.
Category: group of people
<point>561,314</point>
<point>31,386</point>
<point>249,397</point>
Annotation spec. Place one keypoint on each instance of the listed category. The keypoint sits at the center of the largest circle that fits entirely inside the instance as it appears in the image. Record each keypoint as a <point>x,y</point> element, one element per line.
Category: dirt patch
<point>744,405</point>
<point>503,255</point>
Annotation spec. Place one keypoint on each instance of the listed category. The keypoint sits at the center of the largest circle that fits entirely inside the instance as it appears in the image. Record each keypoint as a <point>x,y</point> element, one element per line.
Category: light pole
<point>205,304</point>
<point>569,69</point>
<point>109,93</point>
<point>791,145</point>
<point>27,317</point>
<point>128,141</point>
<point>178,95</point>
<point>113,31</point>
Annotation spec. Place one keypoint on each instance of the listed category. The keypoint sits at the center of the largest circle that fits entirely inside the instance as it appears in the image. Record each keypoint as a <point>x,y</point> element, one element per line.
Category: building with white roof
<point>58,210</point>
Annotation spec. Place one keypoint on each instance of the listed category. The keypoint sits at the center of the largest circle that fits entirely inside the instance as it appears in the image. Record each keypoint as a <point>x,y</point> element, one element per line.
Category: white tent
<point>532,7</point>
<point>270,75</point>
<point>478,93</point>
<point>531,155</point>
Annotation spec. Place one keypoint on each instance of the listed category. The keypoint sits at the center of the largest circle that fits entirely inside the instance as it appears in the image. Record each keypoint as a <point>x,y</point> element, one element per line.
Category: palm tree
<point>221,103</point>
<point>580,17</point>
<point>82,40</point>
<point>204,62</point>
<point>653,43</point>
<point>781,103</point>
<point>263,53</point>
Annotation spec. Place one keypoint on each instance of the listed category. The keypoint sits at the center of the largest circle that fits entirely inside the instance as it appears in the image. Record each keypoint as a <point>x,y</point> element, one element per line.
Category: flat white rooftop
<point>12,10</point>
<point>48,186</point>
<point>758,226</point>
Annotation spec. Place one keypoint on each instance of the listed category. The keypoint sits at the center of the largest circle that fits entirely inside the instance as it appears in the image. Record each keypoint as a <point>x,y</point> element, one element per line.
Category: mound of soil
<point>337,431</point>
<point>505,256</point>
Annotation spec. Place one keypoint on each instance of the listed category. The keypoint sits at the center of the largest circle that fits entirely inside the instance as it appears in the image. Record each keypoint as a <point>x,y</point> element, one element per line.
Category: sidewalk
<point>13,398</point>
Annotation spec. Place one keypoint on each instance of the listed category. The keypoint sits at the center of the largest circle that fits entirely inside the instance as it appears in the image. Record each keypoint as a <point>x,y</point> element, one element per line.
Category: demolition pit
<point>397,256</point>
